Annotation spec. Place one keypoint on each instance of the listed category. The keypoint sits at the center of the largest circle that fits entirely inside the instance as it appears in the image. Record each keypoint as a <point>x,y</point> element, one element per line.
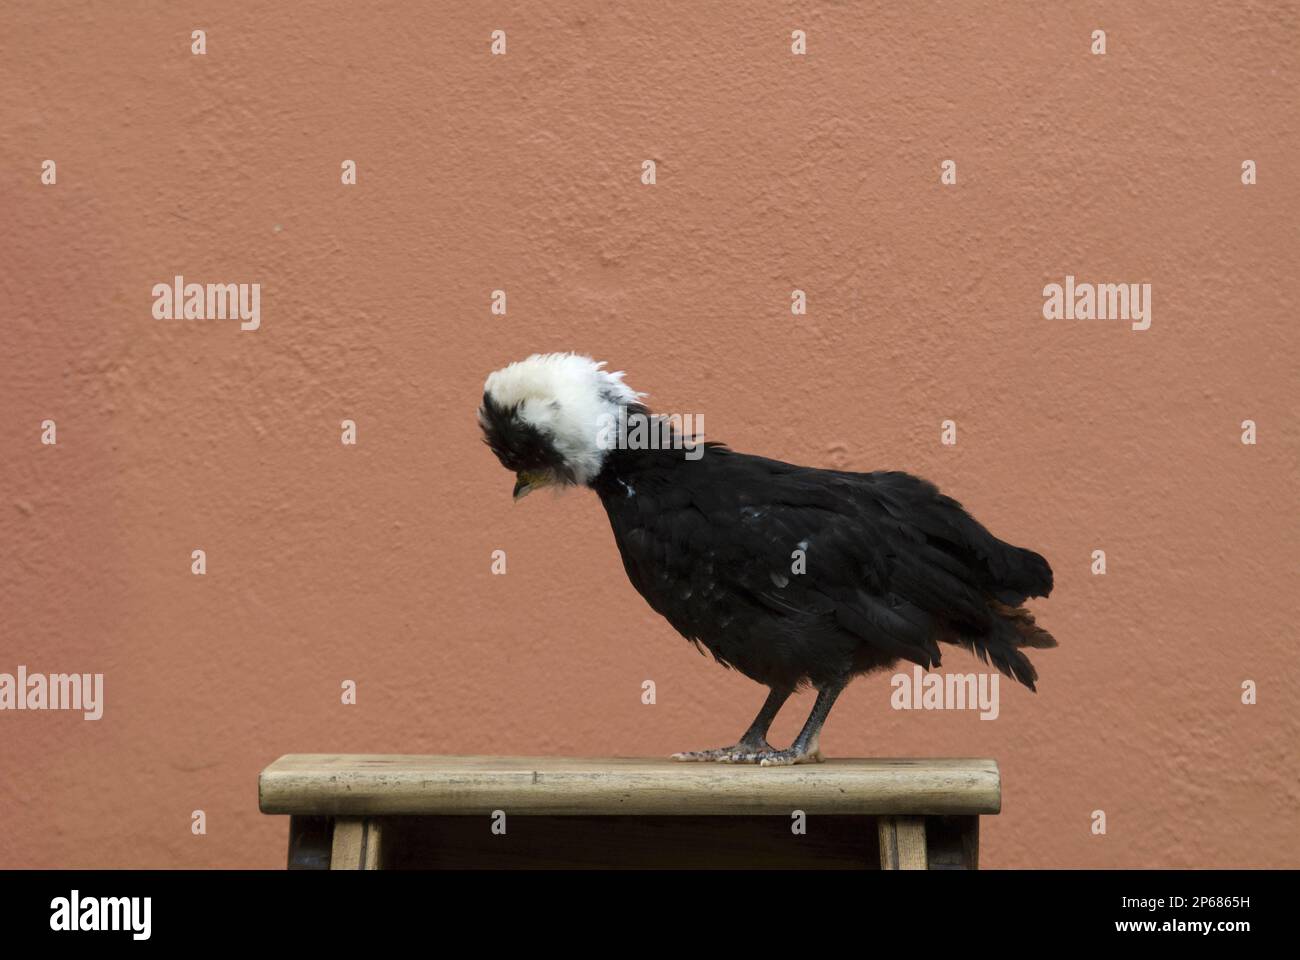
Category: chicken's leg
<point>805,748</point>
<point>753,746</point>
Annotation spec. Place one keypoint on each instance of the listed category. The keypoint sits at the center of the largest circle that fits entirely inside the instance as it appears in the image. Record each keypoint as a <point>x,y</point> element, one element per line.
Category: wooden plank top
<point>360,785</point>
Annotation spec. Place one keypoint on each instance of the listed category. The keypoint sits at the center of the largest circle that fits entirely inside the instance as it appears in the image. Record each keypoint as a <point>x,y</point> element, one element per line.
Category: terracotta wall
<point>522,172</point>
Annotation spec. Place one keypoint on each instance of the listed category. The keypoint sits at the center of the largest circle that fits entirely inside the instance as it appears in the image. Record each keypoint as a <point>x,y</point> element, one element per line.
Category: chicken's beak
<point>526,481</point>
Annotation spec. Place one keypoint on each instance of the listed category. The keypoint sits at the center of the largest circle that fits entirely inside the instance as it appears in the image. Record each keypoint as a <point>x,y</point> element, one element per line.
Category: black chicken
<point>792,575</point>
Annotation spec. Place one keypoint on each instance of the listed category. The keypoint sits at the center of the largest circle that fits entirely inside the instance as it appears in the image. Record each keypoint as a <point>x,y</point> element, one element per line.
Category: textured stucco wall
<point>521,172</point>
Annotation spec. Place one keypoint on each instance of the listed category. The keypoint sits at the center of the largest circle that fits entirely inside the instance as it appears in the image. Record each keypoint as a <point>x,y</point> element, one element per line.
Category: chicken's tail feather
<point>1013,628</point>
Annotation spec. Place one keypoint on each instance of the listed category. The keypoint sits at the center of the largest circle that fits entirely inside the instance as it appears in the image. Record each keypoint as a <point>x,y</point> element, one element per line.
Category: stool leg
<point>902,843</point>
<point>357,844</point>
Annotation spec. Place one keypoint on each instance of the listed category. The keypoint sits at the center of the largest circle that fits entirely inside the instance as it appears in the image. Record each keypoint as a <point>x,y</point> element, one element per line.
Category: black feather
<point>893,567</point>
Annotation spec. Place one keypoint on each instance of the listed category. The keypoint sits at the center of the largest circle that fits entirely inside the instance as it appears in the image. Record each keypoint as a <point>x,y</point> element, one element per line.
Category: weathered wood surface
<point>358,844</point>
<point>902,843</point>
<point>377,785</point>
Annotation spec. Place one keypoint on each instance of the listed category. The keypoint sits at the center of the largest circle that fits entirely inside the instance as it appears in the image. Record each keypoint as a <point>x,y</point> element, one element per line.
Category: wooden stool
<point>357,812</point>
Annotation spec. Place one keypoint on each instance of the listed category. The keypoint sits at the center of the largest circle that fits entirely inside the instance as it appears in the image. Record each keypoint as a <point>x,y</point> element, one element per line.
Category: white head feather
<point>569,398</point>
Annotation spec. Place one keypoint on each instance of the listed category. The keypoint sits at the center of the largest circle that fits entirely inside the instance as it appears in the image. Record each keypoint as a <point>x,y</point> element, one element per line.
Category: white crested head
<point>561,401</point>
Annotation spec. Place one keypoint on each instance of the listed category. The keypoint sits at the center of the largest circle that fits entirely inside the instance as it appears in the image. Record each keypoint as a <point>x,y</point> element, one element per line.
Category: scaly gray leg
<point>805,748</point>
<point>753,743</point>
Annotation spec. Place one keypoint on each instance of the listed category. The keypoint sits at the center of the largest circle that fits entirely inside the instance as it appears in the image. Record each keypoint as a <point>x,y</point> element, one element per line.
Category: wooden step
<point>369,811</point>
<point>359,785</point>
